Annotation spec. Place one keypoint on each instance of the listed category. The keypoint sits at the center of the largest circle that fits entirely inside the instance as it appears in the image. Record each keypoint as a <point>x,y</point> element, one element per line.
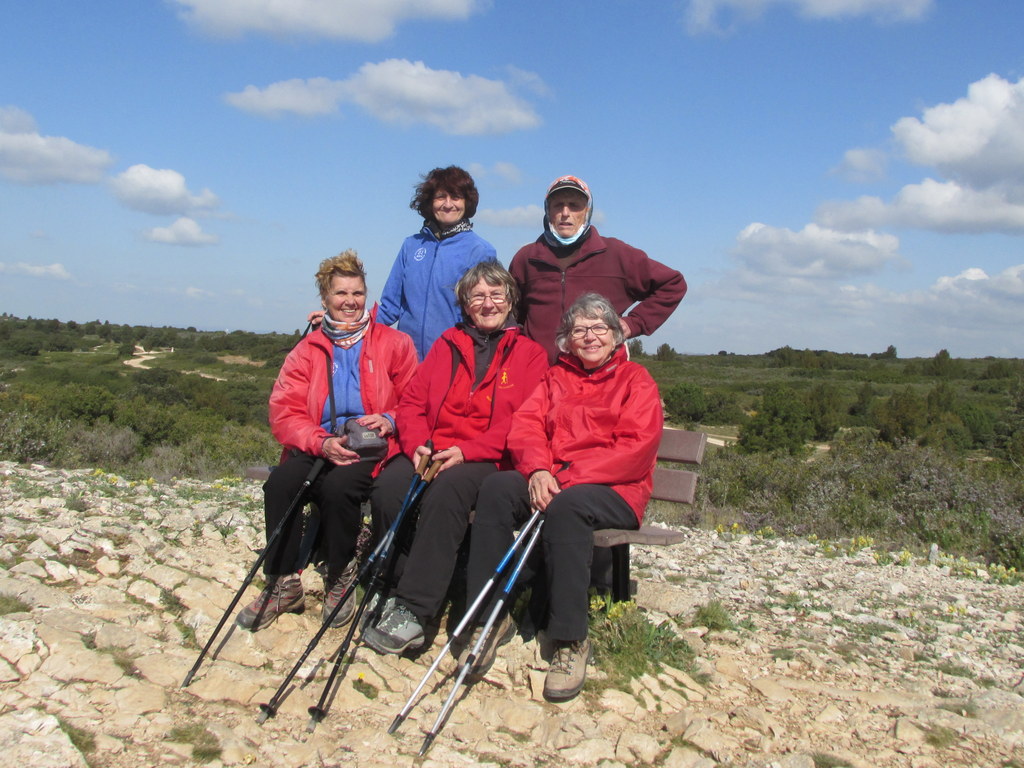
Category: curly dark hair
<point>452,180</point>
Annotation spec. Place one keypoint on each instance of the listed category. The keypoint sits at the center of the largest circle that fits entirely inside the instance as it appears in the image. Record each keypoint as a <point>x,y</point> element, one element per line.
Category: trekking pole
<point>471,659</point>
<point>269,709</point>
<point>318,465</point>
<point>466,619</point>
<point>319,711</point>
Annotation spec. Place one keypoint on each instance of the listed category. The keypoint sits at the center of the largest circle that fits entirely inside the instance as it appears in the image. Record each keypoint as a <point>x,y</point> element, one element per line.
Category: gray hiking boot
<point>398,630</point>
<point>282,595</point>
<point>334,589</point>
<point>568,670</point>
<point>503,631</point>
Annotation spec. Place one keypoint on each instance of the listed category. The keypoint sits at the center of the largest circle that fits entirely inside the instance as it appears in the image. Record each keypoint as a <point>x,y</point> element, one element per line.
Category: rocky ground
<point>834,659</point>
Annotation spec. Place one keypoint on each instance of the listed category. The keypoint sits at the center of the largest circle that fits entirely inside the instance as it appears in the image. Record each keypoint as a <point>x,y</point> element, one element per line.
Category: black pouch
<point>368,443</point>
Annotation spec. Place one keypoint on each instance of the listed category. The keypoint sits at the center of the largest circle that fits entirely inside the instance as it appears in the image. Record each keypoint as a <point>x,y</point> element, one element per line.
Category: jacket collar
<point>593,244</point>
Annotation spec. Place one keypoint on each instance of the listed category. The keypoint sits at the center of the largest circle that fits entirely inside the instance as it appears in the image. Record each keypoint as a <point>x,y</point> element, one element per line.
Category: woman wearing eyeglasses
<point>584,446</point>
<point>461,399</point>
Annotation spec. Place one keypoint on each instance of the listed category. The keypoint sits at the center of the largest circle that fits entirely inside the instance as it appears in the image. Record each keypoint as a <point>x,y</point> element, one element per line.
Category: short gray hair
<point>592,306</point>
<point>492,273</point>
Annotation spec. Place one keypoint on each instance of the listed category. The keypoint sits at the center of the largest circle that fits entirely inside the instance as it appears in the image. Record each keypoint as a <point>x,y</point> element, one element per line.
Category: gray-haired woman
<point>584,446</point>
<point>462,399</point>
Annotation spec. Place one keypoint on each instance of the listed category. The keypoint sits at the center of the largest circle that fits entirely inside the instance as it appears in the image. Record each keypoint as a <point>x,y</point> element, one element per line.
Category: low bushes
<point>904,494</point>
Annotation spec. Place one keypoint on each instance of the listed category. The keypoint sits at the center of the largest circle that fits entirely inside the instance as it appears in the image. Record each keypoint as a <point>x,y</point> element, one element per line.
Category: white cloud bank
<point>716,15</point>
<point>184,231</point>
<point>44,271</point>
<point>26,157</point>
<point>363,20</point>
<point>160,191</point>
<point>976,144</point>
<point>814,253</point>
<point>401,92</point>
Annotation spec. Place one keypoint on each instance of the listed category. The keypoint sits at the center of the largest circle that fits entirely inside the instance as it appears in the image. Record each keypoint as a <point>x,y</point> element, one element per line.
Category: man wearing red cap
<point>570,258</point>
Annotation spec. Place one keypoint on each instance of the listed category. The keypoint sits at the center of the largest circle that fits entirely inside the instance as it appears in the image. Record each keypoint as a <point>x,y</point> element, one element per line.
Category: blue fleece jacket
<point>420,292</point>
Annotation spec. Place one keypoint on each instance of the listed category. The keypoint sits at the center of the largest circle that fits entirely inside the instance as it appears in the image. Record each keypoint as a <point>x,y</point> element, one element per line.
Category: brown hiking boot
<point>568,670</point>
<point>283,595</point>
<point>335,588</point>
<point>503,631</point>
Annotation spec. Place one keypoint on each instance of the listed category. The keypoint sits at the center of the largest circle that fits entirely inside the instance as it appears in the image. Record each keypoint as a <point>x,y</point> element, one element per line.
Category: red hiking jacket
<point>441,403</point>
<point>387,363</point>
<point>601,427</point>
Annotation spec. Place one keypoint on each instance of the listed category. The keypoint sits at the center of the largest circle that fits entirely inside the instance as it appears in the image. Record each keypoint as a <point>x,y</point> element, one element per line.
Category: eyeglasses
<point>580,331</point>
<point>477,299</point>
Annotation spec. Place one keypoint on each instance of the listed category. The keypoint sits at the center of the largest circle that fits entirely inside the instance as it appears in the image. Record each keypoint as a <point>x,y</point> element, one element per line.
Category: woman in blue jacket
<point>420,291</point>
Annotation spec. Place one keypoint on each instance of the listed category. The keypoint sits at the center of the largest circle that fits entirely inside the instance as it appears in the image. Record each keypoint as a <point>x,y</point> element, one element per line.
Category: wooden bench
<point>678,446</point>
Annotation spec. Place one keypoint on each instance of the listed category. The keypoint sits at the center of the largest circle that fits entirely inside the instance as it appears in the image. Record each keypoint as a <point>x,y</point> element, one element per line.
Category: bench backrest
<point>679,446</point>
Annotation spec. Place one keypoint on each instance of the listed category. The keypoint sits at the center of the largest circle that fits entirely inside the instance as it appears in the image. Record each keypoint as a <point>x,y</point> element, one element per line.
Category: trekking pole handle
<point>425,459</point>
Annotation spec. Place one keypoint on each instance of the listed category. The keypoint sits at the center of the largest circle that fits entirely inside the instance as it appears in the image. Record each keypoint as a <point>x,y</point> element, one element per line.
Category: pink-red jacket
<point>599,427</point>
<point>442,404</point>
<point>387,363</point>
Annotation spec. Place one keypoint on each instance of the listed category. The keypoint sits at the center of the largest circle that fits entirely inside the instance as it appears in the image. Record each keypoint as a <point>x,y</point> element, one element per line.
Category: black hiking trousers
<point>567,541</point>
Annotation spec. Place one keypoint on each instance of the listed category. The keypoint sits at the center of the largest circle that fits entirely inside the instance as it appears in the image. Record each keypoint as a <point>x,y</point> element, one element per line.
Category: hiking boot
<point>335,588</point>
<point>398,630</point>
<point>568,670</point>
<point>283,595</point>
<point>503,631</point>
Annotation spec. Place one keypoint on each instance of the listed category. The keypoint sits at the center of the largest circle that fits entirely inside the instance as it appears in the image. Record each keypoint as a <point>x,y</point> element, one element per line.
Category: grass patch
<point>941,737</point>
<point>783,654</point>
<point>82,739</point>
<point>825,760</point>
<point>10,604</point>
<point>205,746</point>
<point>714,616</point>
<point>627,645</point>
<point>124,660</point>
<point>368,689</point>
<point>956,670</point>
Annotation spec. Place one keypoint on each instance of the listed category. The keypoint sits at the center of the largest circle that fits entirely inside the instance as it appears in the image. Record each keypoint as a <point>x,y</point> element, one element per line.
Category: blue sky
<point>827,174</point>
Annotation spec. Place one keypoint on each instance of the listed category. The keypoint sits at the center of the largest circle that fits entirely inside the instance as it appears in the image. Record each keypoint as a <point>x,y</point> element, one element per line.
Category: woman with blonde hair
<point>339,384</point>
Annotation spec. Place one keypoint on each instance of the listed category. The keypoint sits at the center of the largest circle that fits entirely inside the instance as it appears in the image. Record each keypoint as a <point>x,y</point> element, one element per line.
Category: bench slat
<point>682,445</point>
<point>646,534</point>
<point>674,485</point>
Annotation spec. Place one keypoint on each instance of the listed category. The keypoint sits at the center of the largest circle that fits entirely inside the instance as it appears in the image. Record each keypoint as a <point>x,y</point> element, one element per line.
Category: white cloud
<point>978,139</point>
<point>16,120</point>
<point>316,96</point>
<point>862,165</point>
<point>706,15</point>
<point>531,216</point>
<point>48,271</point>
<point>184,231</point>
<point>975,145</point>
<point>814,253</point>
<point>26,157</point>
<point>401,92</point>
<point>365,20</point>
<point>160,191</point>
<point>507,173</point>
<point>933,205</point>
<point>193,292</point>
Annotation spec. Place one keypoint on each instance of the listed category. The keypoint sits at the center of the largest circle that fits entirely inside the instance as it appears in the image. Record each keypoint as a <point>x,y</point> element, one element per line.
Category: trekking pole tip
<point>267,711</point>
<point>399,719</point>
<point>188,679</point>
<point>426,743</point>
<point>316,715</point>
